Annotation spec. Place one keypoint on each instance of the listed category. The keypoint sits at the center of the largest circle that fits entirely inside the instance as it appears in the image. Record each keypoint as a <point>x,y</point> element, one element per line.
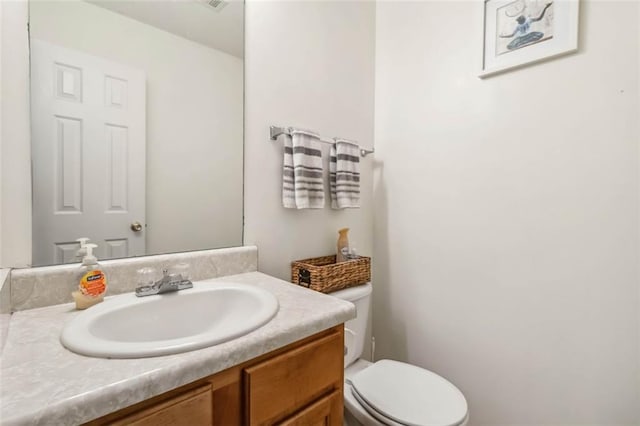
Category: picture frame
<point>517,33</point>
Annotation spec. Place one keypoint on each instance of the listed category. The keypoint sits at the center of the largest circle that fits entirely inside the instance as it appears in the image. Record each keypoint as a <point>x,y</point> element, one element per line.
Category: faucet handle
<point>181,269</point>
<point>146,276</point>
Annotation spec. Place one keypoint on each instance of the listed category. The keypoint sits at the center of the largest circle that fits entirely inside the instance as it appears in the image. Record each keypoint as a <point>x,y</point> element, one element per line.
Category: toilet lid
<point>410,395</point>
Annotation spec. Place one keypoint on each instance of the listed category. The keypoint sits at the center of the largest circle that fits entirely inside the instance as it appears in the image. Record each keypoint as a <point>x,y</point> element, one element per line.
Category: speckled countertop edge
<point>5,305</point>
<point>41,382</point>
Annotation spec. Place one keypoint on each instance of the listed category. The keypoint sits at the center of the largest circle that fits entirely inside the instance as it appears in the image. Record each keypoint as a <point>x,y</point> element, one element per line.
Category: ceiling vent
<point>216,5</point>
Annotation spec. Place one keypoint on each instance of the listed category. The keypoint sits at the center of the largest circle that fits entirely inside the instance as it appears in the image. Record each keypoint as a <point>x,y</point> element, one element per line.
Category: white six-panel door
<point>88,150</point>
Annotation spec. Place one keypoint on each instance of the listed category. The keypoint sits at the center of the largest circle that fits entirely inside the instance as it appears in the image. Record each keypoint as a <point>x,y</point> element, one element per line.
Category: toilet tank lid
<point>352,294</point>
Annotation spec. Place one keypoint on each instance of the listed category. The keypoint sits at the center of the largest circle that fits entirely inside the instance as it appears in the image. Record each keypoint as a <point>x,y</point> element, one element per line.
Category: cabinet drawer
<point>280,386</point>
<point>324,412</point>
<point>190,408</point>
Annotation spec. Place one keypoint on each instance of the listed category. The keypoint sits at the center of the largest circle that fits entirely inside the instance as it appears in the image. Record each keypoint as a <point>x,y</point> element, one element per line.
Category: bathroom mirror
<point>137,126</point>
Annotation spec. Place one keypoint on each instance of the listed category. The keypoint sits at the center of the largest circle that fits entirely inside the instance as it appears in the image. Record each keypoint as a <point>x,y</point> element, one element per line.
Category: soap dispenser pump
<point>82,251</point>
<point>92,281</point>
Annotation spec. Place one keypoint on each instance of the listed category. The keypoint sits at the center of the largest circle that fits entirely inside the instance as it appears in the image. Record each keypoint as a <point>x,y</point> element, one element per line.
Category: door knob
<point>136,227</point>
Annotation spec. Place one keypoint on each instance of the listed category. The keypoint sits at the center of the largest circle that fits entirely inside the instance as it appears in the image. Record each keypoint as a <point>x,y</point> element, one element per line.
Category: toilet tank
<point>355,329</point>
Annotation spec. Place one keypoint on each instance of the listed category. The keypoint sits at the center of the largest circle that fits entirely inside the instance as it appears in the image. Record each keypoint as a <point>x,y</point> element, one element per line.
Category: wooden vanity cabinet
<point>300,384</point>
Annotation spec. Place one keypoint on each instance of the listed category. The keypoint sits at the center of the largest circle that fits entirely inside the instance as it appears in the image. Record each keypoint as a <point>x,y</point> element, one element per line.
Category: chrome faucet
<point>168,283</point>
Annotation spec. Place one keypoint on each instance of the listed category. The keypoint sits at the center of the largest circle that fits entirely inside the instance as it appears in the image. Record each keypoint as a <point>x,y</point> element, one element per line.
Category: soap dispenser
<point>343,245</point>
<point>92,282</point>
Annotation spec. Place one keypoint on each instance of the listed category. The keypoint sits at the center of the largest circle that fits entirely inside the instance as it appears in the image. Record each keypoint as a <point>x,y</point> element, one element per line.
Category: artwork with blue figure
<point>523,23</point>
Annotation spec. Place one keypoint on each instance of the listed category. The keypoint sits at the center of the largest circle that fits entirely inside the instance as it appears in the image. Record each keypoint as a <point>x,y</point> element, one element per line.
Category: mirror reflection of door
<point>91,176</point>
<point>88,148</point>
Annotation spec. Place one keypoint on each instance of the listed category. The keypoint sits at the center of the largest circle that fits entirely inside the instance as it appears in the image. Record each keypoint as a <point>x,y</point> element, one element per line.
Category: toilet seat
<point>401,394</point>
<point>373,412</point>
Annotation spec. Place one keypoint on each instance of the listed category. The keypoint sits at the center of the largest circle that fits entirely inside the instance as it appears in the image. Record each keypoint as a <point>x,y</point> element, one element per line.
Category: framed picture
<point>521,32</point>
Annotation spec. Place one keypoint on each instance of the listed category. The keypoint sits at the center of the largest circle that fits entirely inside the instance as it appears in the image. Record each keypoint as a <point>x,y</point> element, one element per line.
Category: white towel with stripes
<point>344,174</point>
<point>302,183</point>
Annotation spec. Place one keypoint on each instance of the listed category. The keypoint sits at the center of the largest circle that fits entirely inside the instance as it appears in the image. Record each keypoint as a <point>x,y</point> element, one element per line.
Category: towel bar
<point>275,131</point>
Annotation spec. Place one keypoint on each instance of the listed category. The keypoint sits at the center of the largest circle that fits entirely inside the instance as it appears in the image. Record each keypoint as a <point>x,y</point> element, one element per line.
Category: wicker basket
<point>325,275</point>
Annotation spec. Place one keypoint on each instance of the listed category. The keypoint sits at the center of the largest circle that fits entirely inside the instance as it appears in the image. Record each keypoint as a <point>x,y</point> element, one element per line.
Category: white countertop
<point>41,382</point>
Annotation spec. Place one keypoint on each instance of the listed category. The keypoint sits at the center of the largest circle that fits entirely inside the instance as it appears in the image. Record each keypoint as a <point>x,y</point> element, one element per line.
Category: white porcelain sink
<point>210,313</point>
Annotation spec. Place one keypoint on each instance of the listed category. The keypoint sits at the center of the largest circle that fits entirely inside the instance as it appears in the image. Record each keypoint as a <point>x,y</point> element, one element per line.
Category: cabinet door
<point>324,412</point>
<point>189,409</point>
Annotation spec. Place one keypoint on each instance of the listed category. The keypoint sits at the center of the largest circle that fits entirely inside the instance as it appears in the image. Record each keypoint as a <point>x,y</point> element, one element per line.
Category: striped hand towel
<point>302,184</point>
<point>344,174</point>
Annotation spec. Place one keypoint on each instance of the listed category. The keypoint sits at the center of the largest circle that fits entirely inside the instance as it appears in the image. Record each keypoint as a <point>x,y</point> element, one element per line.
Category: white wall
<point>194,121</point>
<point>1,117</point>
<point>506,215</point>
<point>311,65</point>
<point>15,154</point>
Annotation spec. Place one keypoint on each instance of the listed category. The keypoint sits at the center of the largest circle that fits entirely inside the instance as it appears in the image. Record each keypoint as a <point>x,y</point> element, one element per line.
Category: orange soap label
<point>93,283</point>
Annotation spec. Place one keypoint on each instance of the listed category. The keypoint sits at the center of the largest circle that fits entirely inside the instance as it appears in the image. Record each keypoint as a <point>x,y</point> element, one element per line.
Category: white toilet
<point>390,392</point>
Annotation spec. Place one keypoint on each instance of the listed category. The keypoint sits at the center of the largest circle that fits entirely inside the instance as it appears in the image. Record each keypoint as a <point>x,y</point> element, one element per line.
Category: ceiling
<point>194,20</point>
